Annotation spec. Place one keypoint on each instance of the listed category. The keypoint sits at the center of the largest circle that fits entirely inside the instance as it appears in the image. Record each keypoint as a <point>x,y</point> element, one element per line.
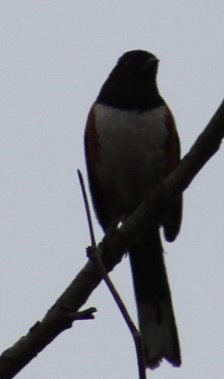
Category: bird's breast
<point>131,150</point>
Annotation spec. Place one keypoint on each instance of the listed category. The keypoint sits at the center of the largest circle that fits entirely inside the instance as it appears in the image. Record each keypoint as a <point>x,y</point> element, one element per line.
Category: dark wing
<point>92,154</point>
<point>172,219</point>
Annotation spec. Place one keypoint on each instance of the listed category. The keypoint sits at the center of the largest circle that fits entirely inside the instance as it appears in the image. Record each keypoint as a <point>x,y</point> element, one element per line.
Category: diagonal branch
<point>111,251</point>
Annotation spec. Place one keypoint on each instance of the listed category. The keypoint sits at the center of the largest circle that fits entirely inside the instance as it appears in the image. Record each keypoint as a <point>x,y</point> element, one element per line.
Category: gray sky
<point>55,55</point>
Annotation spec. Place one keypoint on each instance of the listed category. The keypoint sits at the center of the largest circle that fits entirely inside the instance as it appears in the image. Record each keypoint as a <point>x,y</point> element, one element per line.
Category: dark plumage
<point>131,143</point>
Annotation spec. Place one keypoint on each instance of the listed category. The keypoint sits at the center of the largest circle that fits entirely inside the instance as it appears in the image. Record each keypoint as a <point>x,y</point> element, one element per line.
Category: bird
<point>131,145</point>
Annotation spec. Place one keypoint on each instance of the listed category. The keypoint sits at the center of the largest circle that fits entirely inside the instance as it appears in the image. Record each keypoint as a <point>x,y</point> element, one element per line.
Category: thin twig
<point>136,334</point>
<point>92,254</point>
<point>86,314</point>
<point>87,208</point>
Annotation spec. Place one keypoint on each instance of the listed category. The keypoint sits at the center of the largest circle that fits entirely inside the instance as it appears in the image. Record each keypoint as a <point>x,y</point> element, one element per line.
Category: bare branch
<point>112,248</point>
<point>87,314</point>
<point>92,254</point>
<point>87,208</point>
<point>136,334</point>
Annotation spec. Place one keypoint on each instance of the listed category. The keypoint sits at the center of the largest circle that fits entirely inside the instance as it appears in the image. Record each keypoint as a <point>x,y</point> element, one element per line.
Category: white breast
<point>131,151</point>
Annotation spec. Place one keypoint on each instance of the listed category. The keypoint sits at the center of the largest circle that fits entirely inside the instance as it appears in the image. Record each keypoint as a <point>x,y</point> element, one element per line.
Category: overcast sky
<point>55,55</point>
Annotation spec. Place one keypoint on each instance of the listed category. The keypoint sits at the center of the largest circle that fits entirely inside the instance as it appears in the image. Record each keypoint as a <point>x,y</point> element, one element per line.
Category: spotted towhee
<point>131,144</point>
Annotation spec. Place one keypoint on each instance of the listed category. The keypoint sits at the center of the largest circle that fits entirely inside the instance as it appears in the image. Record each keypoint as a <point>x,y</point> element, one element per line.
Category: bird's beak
<point>151,62</point>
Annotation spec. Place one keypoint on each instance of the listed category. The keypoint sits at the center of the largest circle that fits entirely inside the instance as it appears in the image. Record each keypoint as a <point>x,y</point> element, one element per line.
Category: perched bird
<point>131,144</point>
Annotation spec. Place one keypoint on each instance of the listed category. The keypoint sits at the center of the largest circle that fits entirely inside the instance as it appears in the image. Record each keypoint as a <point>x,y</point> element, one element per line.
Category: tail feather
<point>154,304</point>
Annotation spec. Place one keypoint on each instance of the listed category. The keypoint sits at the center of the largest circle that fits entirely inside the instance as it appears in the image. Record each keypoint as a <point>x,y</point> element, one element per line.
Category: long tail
<point>154,304</point>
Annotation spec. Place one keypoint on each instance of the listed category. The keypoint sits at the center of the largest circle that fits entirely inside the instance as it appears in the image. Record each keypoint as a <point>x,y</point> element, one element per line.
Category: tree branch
<point>92,254</point>
<point>111,251</point>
